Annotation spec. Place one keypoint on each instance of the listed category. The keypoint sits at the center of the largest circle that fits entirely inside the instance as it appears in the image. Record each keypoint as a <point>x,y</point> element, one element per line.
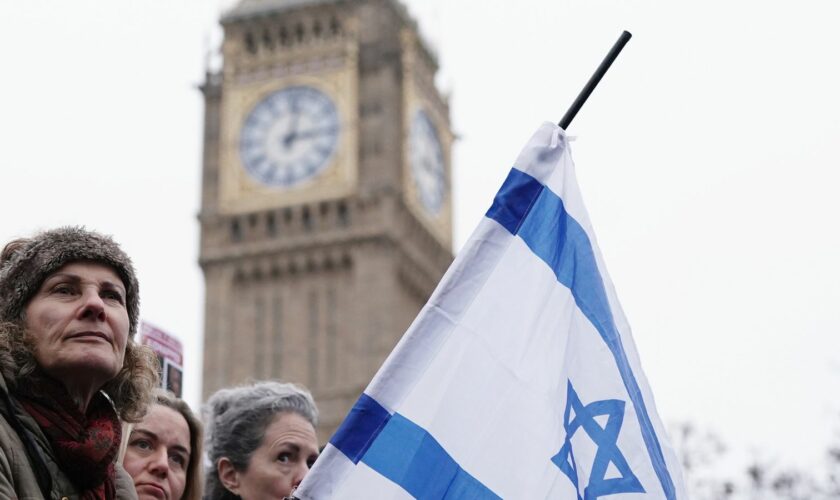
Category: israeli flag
<point>519,379</point>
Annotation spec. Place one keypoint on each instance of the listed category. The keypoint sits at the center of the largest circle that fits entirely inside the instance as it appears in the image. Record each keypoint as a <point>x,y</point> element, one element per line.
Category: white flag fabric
<point>519,378</point>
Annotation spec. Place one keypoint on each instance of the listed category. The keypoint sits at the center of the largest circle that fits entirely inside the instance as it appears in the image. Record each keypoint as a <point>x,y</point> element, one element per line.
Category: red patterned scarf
<point>85,445</point>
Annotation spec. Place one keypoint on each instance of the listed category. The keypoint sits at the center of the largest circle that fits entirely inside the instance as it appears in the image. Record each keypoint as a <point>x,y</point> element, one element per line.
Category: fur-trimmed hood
<point>11,351</point>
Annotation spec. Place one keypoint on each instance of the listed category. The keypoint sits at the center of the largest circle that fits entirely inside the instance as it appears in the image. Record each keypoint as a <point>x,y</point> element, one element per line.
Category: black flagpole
<point>593,82</point>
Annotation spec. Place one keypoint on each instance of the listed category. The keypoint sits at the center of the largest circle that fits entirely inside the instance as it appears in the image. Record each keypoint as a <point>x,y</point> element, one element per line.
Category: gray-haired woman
<point>261,440</point>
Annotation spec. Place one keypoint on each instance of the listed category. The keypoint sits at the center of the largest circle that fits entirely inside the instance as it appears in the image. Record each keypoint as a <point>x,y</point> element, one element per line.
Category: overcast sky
<point>708,159</point>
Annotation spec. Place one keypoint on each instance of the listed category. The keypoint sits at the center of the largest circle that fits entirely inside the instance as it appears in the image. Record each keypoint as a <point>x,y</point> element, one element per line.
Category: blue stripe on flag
<point>514,199</point>
<point>405,453</point>
<point>364,422</point>
<point>410,457</point>
<point>559,240</point>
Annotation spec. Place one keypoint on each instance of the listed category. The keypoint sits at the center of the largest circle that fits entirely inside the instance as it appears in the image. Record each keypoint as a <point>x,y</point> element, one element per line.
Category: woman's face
<point>158,454</point>
<point>288,450</point>
<point>79,323</point>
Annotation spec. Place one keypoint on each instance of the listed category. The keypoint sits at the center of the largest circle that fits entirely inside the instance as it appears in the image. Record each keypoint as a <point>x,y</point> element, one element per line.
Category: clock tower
<point>326,199</point>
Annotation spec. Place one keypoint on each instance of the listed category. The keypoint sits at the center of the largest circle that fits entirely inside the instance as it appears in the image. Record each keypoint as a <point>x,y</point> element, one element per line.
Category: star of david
<point>605,438</point>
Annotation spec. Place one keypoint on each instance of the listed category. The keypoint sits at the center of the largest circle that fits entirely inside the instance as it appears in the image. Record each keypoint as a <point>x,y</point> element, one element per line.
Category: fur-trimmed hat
<point>26,263</point>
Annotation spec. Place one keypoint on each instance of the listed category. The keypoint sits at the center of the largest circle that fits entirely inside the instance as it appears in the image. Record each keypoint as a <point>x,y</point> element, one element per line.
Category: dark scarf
<point>85,445</point>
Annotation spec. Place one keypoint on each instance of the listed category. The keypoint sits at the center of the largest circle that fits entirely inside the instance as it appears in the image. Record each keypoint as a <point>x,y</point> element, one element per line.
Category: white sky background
<point>708,158</point>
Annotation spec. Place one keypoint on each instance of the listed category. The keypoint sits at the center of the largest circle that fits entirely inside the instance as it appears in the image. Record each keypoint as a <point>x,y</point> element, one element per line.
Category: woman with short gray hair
<point>261,440</point>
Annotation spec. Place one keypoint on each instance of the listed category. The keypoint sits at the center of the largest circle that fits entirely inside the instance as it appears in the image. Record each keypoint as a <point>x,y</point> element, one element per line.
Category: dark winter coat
<point>17,473</point>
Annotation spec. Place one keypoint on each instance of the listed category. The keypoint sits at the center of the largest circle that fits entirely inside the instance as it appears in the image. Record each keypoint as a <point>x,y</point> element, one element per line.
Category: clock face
<point>289,137</point>
<point>427,167</point>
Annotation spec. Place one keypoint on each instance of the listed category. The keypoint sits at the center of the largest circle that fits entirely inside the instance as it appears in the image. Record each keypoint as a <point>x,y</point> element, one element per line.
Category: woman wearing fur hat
<point>69,364</point>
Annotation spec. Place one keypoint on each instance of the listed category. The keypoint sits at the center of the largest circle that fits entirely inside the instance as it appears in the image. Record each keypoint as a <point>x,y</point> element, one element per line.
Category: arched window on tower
<point>306,219</point>
<point>250,43</point>
<point>277,335</point>
<point>314,331</point>
<point>270,225</point>
<point>332,337</point>
<point>267,41</point>
<point>343,216</point>
<point>235,230</point>
<point>259,335</point>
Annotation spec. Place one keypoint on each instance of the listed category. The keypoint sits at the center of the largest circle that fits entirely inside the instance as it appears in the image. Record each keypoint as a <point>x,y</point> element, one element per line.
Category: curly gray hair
<point>236,420</point>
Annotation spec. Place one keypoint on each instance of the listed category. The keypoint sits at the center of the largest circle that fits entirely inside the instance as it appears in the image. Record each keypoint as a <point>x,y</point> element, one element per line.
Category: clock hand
<point>427,166</point>
<point>292,135</point>
<point>315,132</point>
